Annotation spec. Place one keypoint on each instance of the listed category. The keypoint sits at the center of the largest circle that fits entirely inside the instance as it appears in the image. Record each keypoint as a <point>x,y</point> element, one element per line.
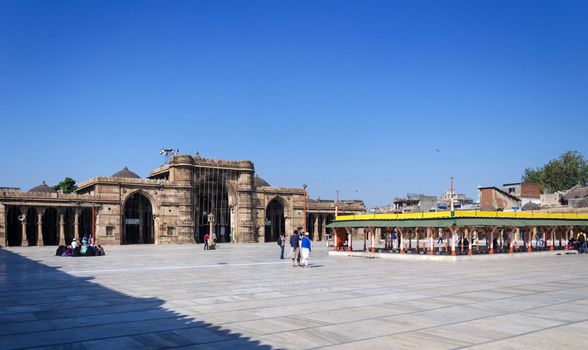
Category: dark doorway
<point>85,223</point>
<point>13,227</point>
<point>50,230</point>
<point>32,226</point>
<point>274,221</point>
<point>69,223</point>
<point>310,225</point>
<point>329,219</point>
<point>138,220</point>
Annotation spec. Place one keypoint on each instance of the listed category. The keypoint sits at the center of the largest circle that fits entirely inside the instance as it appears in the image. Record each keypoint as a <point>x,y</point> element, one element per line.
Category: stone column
<point>97,225</point>
<point>211,221</point>
<point>246,229</point>
<point>76,224</point>
<point>323,230</point>
<point>316,224</point>
<point>156,232</point>
<point>40,227</point>
<point>25,241</point>
<point>61,228</point>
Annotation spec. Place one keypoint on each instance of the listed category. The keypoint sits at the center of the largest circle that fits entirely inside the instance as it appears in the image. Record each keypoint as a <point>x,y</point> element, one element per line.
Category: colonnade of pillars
<point>319,227</point>
<point>464,239</point>
<point>26,229</point>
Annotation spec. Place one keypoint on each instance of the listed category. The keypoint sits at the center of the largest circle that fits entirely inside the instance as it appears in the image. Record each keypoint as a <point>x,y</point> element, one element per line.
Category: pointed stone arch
<point>138,224</point>
<point>275,218</point>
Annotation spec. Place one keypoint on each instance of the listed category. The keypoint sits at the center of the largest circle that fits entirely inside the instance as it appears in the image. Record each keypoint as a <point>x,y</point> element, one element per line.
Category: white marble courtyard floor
<point>242,297</point>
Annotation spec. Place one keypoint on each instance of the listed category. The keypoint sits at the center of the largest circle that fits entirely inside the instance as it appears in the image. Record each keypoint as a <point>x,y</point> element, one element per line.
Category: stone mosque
<point>176,203</point>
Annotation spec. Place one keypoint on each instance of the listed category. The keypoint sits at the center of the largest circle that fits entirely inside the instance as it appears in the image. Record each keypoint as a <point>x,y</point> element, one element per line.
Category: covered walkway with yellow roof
<point>460,232</point>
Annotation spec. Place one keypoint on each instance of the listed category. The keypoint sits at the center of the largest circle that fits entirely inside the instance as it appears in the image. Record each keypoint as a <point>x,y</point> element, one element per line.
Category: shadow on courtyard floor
<point>41,306</point>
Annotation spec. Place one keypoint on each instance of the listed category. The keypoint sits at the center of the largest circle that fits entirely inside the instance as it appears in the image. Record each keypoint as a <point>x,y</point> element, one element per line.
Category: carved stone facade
<point>172,205</point>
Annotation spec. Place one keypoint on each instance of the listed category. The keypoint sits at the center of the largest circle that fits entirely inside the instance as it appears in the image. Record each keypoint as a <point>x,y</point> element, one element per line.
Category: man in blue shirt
<point>295,248</point>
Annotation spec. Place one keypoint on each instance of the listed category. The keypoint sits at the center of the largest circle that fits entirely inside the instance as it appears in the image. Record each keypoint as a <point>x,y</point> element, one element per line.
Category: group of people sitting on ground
<point>85,248</point>
<point>300,248</point>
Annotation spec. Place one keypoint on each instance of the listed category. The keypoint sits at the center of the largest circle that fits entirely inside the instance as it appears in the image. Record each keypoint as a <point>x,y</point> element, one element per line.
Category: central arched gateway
<point>274,220</point>
<point>138,220</point>
<point>212,196</point>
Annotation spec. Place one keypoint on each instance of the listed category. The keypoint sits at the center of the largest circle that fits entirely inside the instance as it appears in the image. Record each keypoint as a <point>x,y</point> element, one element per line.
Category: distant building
<point>576,197</point>
<point>551,200</point>
<point>460,201</point>
<point>526,192</point>
<point>415,203</point>
<point>493,198</point>
<point>388,208</point>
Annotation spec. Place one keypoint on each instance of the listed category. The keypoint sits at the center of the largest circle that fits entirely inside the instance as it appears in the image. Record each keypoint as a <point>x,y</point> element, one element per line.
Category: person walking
<point>282,244</point>
<point>306,248</point>
<point>394,238</point>
<point>581,242</point>
<point>538,240</point>
<point>206,238</point>
<point>439,237</point>
<point>295,247</point>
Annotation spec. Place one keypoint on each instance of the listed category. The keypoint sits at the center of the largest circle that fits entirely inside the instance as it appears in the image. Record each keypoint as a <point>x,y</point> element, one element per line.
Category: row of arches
<point>24,224</point>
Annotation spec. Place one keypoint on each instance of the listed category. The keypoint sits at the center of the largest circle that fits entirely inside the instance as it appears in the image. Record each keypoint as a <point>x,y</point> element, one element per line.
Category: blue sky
<point>355,96</point>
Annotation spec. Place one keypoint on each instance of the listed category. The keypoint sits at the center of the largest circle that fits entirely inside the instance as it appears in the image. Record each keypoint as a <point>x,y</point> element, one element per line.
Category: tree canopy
<point>68,185</point>
<point>560,174</point>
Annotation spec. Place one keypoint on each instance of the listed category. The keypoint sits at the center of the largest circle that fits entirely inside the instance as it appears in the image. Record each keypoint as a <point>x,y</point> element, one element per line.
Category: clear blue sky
<point>348,95</point>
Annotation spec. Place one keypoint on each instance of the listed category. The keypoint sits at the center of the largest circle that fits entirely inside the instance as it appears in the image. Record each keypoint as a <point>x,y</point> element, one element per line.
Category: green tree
<point>68,185</point>
<point>560,174</point>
